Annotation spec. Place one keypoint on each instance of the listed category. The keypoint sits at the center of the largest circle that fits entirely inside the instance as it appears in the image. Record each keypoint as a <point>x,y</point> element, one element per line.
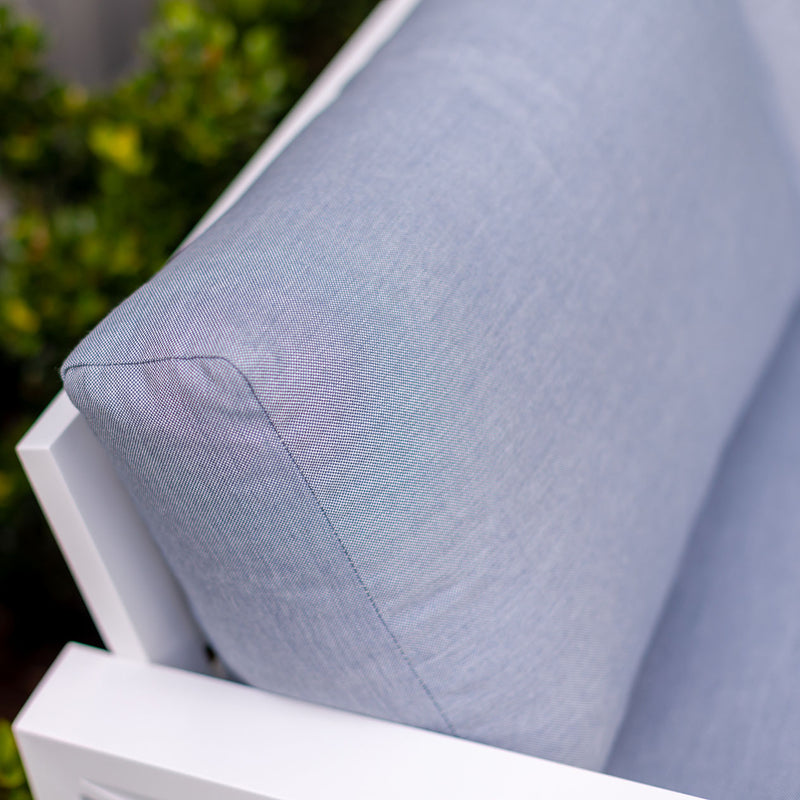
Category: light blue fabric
<point>774,26</point>
<point>716,712</point>
<point>423,422</point>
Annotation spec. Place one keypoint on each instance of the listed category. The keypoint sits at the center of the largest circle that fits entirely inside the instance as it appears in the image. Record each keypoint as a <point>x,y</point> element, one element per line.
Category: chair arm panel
<point>101,727</point>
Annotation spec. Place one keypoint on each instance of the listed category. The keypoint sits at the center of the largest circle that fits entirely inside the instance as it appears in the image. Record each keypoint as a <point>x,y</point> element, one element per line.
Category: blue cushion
<point>716,711</point>
<point>422,423</point>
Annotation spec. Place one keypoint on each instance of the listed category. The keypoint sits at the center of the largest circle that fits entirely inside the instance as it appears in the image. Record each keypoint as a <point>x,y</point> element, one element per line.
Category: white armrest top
<point>141,730</point>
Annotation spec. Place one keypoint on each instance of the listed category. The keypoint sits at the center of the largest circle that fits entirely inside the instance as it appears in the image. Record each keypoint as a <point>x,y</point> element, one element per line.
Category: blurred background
<point>120,122</point>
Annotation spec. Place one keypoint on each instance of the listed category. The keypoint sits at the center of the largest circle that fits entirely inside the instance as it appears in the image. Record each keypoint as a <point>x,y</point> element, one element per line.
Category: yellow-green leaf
<point>12,776</point>
<point>119,143</point>
<point>20,316</point>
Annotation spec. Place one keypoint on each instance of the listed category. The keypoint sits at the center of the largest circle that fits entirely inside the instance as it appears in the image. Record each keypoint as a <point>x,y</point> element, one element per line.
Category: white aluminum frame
<point>140,723</point>
<point>100,727</point>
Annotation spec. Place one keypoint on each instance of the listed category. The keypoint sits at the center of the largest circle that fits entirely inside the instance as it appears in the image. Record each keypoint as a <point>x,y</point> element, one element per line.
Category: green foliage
<point>103,186</point>
<point>109,184</point>
<point>12,777</point>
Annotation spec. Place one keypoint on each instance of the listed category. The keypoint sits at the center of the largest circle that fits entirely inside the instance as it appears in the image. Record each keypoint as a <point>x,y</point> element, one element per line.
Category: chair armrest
<point>138,607</point>
<point>100,727</point>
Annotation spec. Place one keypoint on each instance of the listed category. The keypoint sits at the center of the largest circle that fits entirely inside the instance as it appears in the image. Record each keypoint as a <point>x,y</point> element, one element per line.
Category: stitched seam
<point>311,491</point>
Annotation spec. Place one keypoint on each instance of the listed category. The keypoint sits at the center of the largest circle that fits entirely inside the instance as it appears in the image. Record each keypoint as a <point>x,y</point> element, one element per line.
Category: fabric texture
<point>775,29</point>
<point>422,423</point>
<point>716,710</point>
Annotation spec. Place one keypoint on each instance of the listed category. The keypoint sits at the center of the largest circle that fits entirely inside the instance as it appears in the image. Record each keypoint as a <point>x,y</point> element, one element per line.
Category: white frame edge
<point>100,727</point>
<point>138,608</point>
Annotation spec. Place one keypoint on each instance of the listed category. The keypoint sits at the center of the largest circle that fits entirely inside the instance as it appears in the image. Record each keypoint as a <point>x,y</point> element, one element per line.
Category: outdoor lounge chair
<point>469,407</point>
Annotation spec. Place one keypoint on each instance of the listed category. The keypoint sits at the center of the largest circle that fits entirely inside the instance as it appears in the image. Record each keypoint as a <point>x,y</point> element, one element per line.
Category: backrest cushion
<point>421,424</point>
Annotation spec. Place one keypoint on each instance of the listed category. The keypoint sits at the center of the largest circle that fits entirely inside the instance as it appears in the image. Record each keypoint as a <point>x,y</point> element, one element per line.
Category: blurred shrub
<point>102,187</point>
<point>12,777</point>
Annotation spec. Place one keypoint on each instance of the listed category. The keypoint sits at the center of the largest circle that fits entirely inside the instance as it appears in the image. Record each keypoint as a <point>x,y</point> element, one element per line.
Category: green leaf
<point>12,775</point>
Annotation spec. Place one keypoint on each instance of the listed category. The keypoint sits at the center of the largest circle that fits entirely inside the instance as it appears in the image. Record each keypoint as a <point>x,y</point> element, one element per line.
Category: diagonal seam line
<point>311,491</point>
